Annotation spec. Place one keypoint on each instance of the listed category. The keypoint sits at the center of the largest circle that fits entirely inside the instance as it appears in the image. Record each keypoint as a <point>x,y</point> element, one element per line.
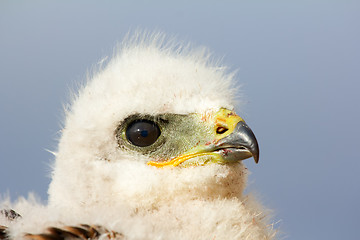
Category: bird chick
<point>151,148</point>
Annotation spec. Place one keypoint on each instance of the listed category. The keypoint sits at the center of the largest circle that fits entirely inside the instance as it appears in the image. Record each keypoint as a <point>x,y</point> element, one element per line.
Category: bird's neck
<point>142,187</point>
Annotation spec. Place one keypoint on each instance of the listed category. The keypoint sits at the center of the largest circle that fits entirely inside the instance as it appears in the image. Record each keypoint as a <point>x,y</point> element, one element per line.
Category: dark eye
<point>142,133</point>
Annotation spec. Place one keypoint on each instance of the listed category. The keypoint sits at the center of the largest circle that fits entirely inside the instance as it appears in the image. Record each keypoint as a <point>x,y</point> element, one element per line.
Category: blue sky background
<point>298,62</point>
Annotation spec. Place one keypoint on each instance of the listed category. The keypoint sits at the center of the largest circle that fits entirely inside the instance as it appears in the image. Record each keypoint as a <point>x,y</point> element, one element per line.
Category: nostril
<point>221,130</point>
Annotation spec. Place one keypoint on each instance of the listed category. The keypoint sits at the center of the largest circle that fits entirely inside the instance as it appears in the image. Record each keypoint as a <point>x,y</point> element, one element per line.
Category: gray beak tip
<point>256,159</point>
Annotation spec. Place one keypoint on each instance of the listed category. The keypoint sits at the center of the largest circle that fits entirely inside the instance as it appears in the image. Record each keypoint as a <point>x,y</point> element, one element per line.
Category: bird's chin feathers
<point>141,186</point>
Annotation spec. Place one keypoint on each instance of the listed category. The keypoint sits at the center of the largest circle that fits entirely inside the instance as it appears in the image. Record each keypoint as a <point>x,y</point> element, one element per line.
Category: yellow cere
<point>227,119</point>
<point>223,119</point>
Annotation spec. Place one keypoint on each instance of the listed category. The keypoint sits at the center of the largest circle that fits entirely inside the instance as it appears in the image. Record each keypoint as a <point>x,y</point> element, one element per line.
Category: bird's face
<point>151,125</point>
<point>170,140</point>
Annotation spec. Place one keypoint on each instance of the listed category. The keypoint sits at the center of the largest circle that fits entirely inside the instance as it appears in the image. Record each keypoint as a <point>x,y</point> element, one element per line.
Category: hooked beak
<point>239,145</point>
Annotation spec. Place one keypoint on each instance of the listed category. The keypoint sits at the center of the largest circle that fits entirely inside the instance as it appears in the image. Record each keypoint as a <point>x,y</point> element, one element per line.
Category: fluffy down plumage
<point>103,185</point>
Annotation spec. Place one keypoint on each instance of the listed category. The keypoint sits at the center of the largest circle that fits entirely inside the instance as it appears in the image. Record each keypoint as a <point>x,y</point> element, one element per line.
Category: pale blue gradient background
<point>298,61</point>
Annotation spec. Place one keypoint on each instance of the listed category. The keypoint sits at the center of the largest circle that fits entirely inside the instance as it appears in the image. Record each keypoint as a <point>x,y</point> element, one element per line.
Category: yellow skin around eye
<point>225,120</point>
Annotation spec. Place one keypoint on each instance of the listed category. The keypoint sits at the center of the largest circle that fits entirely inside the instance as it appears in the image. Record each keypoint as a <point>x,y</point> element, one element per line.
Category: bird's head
<point>156,122</point>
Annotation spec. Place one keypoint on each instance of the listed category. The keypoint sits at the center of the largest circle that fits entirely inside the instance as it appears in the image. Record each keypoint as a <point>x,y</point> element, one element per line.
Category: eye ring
<point>142,132</point>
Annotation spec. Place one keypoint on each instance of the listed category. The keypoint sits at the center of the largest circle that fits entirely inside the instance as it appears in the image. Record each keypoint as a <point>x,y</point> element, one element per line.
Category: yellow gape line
<point>180,159</point>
